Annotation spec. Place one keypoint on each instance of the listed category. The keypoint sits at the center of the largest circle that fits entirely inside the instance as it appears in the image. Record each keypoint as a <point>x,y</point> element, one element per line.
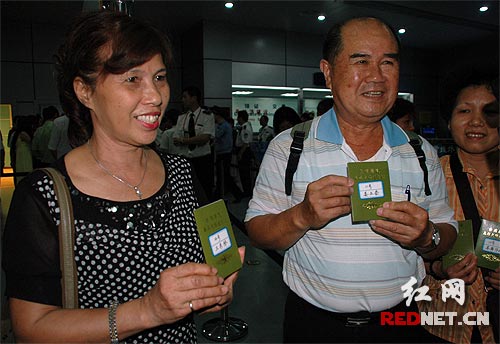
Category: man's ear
<point>82,91</point>
<point>325,67</point>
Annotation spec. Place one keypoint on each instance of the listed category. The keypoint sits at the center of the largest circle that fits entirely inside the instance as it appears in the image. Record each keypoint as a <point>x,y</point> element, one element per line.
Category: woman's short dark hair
<point>97,44</point>
<point>460,79</point>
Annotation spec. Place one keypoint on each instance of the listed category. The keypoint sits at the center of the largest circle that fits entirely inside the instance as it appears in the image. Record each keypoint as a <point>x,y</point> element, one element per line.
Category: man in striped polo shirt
<point>342,275</point>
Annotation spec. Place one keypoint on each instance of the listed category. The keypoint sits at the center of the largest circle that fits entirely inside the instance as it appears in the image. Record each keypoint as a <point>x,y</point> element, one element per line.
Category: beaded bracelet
<point>113,330</point>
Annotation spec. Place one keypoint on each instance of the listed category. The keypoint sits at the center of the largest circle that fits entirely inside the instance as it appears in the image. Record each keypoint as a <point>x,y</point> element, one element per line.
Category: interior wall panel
<point>258,74</point>
<point>259,46</point>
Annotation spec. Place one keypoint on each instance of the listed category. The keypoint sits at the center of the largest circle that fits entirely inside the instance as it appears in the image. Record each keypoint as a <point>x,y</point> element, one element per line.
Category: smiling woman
<point>474,167</point>
<point>138,256</point>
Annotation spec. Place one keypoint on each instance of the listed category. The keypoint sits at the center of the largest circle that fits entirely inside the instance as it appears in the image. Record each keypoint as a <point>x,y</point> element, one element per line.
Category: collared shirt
<point>167,142</point>
<point>223,138</point>
<point>59,140</point>
<point>204,124</point>
<point>266,134</point>
<point>487,199</point>
<point>245,134</point>
<point>345,267</point>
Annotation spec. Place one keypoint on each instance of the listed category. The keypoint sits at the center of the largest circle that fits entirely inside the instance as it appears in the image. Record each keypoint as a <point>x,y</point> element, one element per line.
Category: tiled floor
<point>259,294</point>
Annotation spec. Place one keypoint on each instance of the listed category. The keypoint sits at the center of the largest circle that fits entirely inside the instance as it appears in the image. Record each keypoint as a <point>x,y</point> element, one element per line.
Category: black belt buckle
<point>357,322</point>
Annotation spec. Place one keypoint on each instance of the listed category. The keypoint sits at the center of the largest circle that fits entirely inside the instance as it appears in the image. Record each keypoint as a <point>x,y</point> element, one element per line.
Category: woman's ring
<point>191,306</point>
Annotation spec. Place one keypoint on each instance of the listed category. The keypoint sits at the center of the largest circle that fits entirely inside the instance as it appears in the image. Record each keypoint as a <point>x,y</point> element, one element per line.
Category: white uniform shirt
<point>204,123</point>
<point>245,135</point>
<point>59,140</point>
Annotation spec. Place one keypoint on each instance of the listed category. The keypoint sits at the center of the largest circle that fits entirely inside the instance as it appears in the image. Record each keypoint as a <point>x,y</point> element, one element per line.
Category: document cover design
<point>217,238</point>
<point>372,187</point>
<point>488,245</point>
<point>463,245</point>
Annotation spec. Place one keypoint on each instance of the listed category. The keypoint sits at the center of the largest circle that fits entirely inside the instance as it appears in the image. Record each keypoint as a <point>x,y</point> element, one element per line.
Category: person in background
<point>42,156</point>
<point>223,153</point>
<point>20,150</point>
<point>403,113</point>
<point>323,106</point>
<point>266,133</point>
<point>306,116</point>
<point>193,134</point>
<point>59,143</point>
<point>2,154</point>
<point>285,117</point>
<point>477,156</point>
<point>159,132</point>
<point>167,137</point>
<point>138,256</point>
<point>342,275</point>
<point>12,130</point>
<point>244,152</point>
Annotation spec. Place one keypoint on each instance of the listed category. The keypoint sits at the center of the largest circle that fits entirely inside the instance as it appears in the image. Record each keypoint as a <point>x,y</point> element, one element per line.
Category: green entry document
<point>463,245</point>
<point>488,245</point>
<point>217,238</point>
<point>372,187</point>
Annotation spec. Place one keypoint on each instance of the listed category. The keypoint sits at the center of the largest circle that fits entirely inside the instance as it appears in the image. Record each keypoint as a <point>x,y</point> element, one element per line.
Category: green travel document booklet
<point>463,245</point>
<point>372,188</point>
<point>488,245</point>
<point>217,238</point>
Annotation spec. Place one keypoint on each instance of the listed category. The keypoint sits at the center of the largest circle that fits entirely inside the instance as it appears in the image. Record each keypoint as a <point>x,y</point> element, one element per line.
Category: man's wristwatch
<point>436,238</point>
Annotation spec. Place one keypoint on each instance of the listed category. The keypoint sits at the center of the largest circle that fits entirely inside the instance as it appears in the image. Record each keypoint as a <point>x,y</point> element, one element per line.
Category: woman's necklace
<point>136,189</point>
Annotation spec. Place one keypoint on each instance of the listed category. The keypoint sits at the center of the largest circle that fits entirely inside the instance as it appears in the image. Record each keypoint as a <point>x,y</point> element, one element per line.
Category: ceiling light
<point>321,17</point>
<point>402,30</point>
<point>289,94</point>
<point>242,93</point>
<point>266,87</point>
<point>483,8</point>
<point>229,5</point>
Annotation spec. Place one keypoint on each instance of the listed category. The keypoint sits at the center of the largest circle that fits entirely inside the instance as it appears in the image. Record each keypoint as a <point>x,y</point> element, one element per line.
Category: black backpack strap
<point>416,143</point>
<point>299,133</point>
<point>464,191</point>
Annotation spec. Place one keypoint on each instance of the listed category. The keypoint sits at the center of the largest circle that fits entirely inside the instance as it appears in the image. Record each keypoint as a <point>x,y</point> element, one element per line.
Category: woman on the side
<point>477,156</point>
<point>138,256</point>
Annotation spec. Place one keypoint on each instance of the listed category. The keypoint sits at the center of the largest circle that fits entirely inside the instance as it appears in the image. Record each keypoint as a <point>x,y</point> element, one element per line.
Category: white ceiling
<point>429,24</point>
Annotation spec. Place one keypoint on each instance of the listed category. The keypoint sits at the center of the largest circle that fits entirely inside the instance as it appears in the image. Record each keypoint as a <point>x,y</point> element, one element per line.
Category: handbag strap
<point>464,190</point>
<point>69,281</point>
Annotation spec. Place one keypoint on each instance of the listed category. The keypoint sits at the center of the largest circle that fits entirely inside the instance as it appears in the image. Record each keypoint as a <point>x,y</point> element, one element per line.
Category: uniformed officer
<point>193,134</point>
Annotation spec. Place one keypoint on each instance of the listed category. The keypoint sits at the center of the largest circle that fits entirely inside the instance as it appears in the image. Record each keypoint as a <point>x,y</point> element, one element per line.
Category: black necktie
<point>191,130</point>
